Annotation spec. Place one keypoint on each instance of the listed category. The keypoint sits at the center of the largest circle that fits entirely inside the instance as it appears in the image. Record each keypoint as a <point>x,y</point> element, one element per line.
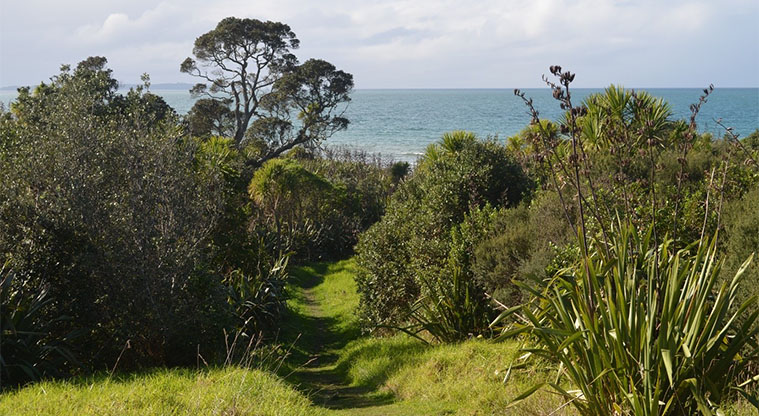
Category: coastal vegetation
<point>226,262</point>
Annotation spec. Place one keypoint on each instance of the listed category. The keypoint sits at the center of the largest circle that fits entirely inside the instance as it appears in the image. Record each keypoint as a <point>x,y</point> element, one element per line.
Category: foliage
<point>102,207</point>
<point>742,240</point>
<point>407,253</point>
<point>28,351</point>
<point>297,202</point>
<point>209,117</point>
<point>366,183</point>
<point>250,270</point>
<point>135,233</point>
<point>399,170</point>
<point>639,326</point>
<point>316,204</point>
<point>520,244</point>
<point>257,299</point>
<point>248,63</point>
<point>658,336</point>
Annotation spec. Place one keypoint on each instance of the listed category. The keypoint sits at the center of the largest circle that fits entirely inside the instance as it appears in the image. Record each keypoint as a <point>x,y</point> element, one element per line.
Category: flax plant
<point>663,338</point>
<point>638,324</point>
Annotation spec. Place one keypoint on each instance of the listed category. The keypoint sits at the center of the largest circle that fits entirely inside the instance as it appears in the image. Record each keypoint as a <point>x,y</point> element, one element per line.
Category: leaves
<point>247,64</point>
<point>660,332</point>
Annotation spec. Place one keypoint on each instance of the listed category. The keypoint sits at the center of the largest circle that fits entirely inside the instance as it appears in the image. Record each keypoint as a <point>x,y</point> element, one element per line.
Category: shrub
<point>519,245</point>
<point>366,182</point>
<point>295,201</point>
<point>319,202</point>
<point>741,241</point>
<point>29,349</point>
<point>409,254</point>
<point>639,326</point>
<point>110,211</point>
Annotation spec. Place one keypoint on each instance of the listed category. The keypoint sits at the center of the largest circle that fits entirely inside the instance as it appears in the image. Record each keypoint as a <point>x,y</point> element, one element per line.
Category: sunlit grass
<point>229,391</point>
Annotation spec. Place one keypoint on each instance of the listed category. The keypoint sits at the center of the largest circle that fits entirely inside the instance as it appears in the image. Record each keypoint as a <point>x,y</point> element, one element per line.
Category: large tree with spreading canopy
<point>276,101</point>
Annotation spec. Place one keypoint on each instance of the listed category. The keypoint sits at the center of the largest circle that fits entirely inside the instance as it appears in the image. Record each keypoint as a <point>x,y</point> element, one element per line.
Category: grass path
<point>344,373</point>
<point>330,370</point>
<point>323,306</point>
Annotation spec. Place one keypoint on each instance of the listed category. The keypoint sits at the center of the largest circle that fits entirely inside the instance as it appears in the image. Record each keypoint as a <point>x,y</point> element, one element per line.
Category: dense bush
<point>101,206</point>
<point>639,321</point>
<point>315,204</point>
<point>520,245</point>
<point>410,255</point>
<point>123,230</point>
<point>295,201</point>
<point>29,348</point>
<point>741,240</point>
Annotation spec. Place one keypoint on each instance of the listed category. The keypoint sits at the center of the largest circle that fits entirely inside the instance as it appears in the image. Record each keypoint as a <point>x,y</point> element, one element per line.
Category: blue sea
<point>399,124</point>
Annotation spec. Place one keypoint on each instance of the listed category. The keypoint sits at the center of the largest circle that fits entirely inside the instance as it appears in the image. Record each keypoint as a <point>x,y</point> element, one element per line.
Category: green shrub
<point>365,179</point>
<point>29,349</point>
<point>411,251</point>
<point>318,203</point>
<point>106,207</point>
<point>741,241</point>
<point>519,245</point>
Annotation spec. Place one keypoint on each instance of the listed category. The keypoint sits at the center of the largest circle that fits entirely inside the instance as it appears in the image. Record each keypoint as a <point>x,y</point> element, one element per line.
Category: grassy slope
<point>229,391</point>
<point>345,374</point>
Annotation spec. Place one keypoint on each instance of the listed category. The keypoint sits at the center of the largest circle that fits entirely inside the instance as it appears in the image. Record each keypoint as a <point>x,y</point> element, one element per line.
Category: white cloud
<point>466,43</point>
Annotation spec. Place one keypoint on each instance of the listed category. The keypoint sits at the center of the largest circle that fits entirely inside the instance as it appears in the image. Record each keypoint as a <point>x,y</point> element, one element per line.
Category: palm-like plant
<point>28,351</point>
<point>614,116</point>
<point>661,338</point>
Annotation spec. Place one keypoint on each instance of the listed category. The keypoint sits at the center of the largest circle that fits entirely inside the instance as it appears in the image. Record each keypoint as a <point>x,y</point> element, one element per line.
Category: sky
<point>407,44</point>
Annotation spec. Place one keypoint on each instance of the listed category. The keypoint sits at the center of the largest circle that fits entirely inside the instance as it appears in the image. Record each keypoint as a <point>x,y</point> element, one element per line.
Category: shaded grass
<point>464,378</point>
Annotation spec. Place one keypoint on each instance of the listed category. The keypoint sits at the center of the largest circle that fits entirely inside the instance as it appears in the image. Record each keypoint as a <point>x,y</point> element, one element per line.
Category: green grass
<point>230,391</point>
<point>465,378</point>
<point>348,374</point>
<point>400,375</point>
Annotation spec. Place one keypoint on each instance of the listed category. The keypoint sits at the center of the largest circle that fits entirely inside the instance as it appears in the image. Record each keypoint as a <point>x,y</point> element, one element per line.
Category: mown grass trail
<point>341,371</point>
<point>323,320</point>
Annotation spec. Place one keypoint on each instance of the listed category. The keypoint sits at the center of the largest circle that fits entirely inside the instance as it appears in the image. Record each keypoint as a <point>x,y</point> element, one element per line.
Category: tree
<point>210,117</point>
<point>249,62</point>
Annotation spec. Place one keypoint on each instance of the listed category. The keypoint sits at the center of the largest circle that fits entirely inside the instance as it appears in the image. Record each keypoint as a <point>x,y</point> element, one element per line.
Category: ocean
<point>399,124</point>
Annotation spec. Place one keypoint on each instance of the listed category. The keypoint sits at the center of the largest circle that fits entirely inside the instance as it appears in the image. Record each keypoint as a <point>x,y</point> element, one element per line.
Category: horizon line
<point>12,88</point>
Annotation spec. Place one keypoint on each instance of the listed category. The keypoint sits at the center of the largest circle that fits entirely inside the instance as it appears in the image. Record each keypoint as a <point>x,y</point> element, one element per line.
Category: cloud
<point>388,43</point>
<point>161,22</point>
